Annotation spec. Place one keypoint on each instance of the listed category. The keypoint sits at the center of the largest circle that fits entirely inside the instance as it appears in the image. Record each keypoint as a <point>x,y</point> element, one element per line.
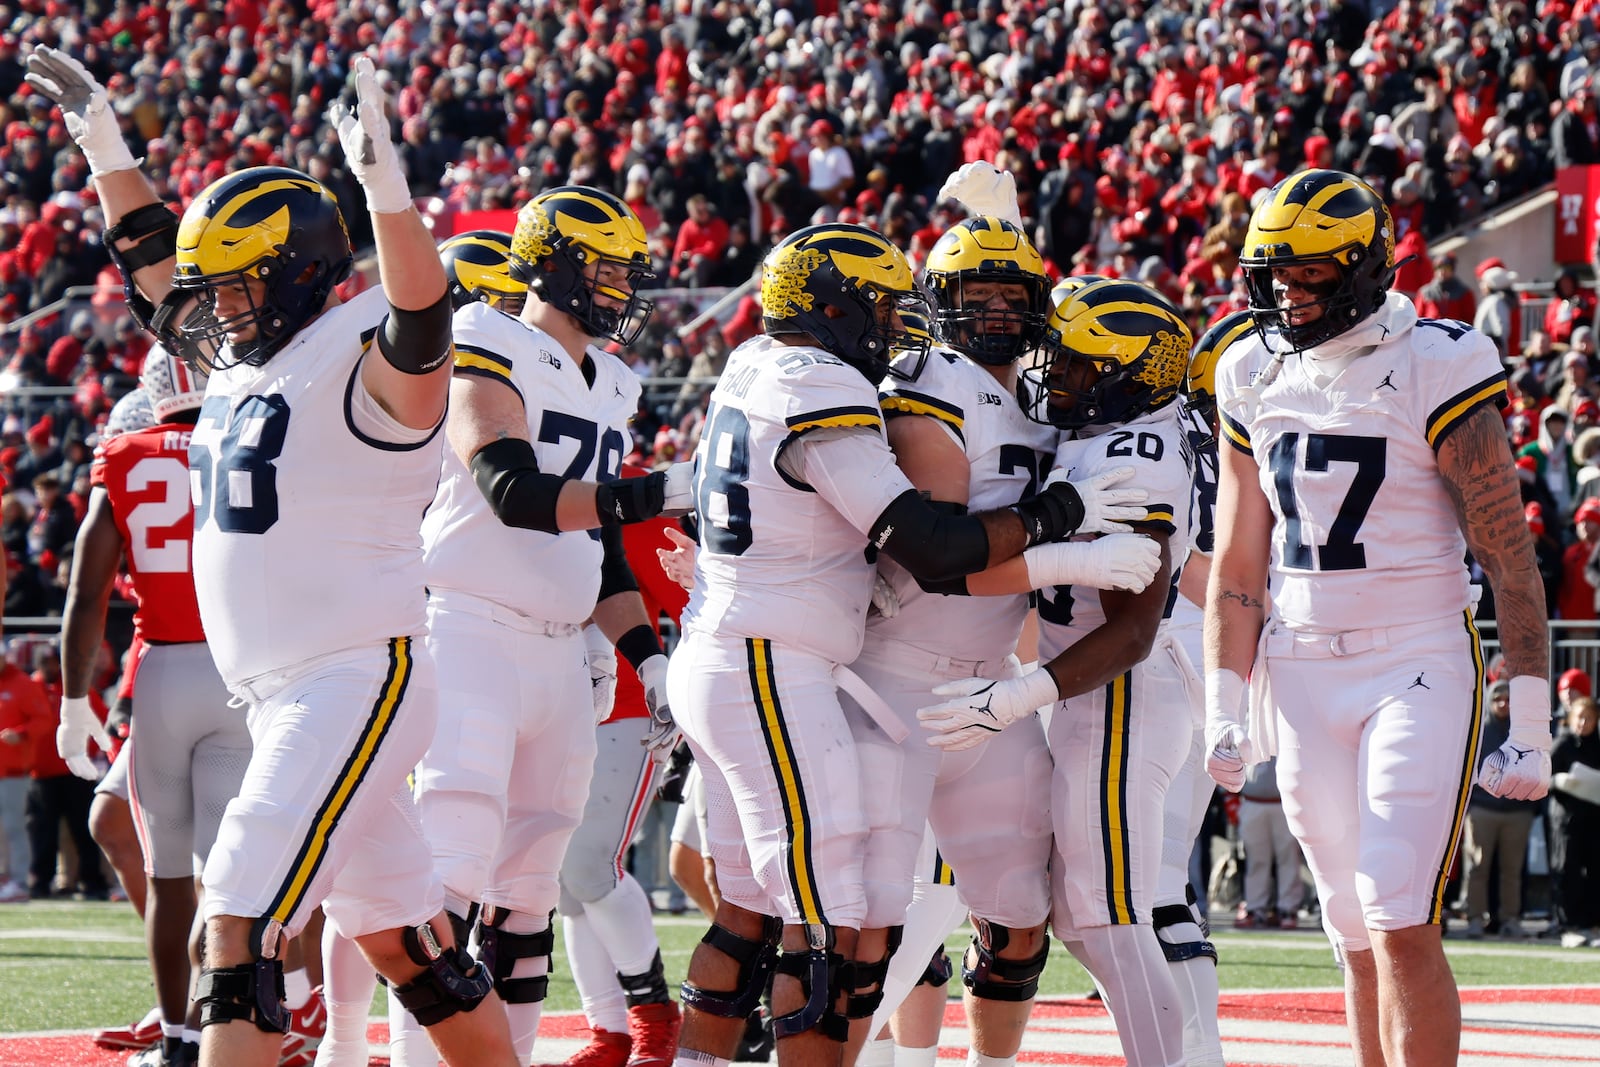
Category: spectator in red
<point>62,361</point>
<point>1570,306</point>
<point>23,709</point>
<point>56,794</point>
<point>1446,296</point>
<point>1576,599</point>
<point>700,244</point>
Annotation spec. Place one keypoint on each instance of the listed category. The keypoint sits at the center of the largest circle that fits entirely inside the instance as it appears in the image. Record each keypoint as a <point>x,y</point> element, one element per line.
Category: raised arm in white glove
<point>78,726</point>
<point>1107,503</point>
<point>85,108</point>
<point>1115,561</point>
<point>1228,749</point>
<point>663,735</point>
<point>984,189</point>
<point>1520,768</point>
<point>978,708</point>
<point>364,133</point>
<point>601,655</point>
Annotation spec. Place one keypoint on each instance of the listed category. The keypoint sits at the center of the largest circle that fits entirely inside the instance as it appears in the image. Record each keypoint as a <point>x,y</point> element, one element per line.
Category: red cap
<point>1586,409</point>
<point>1576,680</point>
<point>1588,511</point>
<point>820,128</point>
<point>1533,514</point>
<point>1488,264</point>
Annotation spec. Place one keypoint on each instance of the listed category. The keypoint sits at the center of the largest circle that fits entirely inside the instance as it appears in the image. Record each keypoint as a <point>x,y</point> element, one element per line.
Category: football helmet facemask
<point>1112,351</point>
<point>1200,384</point>
<point>274,233</point>
<point>867,284</point>
<point>986,251</point>
<point>478,265</point>
<point>564,238</point>
<point>171,384</point>
<point>1328,217</point>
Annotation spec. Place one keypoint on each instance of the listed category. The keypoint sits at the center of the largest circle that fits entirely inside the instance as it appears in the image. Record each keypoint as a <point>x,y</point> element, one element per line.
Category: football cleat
<point>139,1036</point>
<point>307,1026</point>
<point>654,1029</point>
<point>606,1048</point>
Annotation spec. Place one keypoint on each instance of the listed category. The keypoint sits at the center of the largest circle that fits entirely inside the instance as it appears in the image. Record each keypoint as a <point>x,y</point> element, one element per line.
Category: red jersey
<point>660,593</point>
<point>146,476</point>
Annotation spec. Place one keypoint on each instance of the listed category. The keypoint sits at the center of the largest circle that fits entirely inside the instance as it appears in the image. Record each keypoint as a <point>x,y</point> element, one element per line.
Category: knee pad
<point>252,991</point>
<point>756,960</point>
<point>939,969</point>
<point>500,949</point>
<point>1176,929</point>
<point>650,987</point>
<point>858,978</point>
<point>823,974</point>
<point>994,978</point>
<point>451,980</point>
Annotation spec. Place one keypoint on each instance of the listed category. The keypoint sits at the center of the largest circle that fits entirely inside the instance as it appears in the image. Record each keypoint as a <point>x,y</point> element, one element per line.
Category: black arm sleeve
<point>508,476</point>
<point>956,586</point>
<point>615,574</point>
<point>931,545</point>
<point>417,342</point>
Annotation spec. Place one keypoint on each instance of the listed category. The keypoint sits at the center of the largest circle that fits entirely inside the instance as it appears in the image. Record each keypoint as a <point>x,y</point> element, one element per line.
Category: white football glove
<point>85,108</point>
<point>885,601</point>
<point>678,489</point>
<point>678,563</point>
<point>364,133</point>
<point>978,708</point>
<point>1114,561</point>
<point>663,736</point>
<point>984,189</point>
<point>1228,749</point>
<point>601,655</point>
<point>1520,768</point>
<point>78,726</point>
<point>1105,509</point>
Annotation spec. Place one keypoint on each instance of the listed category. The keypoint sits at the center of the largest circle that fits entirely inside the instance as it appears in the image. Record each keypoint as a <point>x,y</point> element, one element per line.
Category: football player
<point>794,479</point>
<point>1108,373</point>
<point>314,454</point>
<point>522,545</point>
<point>192,747</point>
<point>1362,455</point>
<point>959,433</point>
<point>478,265</point>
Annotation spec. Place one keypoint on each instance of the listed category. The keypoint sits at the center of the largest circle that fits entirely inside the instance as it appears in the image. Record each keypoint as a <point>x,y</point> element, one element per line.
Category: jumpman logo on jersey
<point>1386,382</point>
<point>1419,683</point>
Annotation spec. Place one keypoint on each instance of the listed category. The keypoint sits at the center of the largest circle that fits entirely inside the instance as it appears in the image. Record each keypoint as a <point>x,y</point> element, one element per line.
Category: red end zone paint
<point>1520,1027</point>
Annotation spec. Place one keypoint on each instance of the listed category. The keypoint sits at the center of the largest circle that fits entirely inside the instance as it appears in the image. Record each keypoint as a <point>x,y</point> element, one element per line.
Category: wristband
<point>638,645</point>
<point>1225,694</point>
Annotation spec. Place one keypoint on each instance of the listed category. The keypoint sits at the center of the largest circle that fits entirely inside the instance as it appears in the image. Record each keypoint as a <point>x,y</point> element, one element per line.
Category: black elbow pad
<point>930,542</point>
<point>507,473</point>
<point>417,342</point>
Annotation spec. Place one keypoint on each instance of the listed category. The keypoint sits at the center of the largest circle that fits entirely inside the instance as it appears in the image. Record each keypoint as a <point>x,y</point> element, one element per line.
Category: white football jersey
<point>1156,446</point>
<point>776,559</point>
<point>578,430</point>
<point>1007,453</point>
<point>1365,533</point>
<point>306,529</point>
<point>1186,619</point>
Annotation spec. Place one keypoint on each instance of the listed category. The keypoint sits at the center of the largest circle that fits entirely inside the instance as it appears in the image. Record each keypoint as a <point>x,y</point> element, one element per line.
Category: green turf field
<point>69,966</point>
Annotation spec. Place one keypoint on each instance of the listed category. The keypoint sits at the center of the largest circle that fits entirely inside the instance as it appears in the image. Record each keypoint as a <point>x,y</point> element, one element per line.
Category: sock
<point>296,988</point>
<point>978,1059</point>
<point>594,974</point>
<point>624,925</point>
<point>191,1037</point>
<point>916,1057</point>
<point>877,1052</point>
<point>170,1030</point>
<point>688,1057</point>
<point>409,1044</point>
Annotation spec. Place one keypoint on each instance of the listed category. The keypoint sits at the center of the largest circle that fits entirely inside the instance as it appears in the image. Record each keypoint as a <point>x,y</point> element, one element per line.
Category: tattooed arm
<point>1475,462</point>
<point>1237,591</point>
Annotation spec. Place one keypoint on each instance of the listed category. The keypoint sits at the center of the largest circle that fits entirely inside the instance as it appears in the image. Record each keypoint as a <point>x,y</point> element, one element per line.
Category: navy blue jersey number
<point>558,426</point>
<point>721,466</point>
<point>1020,459</point>
<point>1341,552</point>
<point>236,479</point>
